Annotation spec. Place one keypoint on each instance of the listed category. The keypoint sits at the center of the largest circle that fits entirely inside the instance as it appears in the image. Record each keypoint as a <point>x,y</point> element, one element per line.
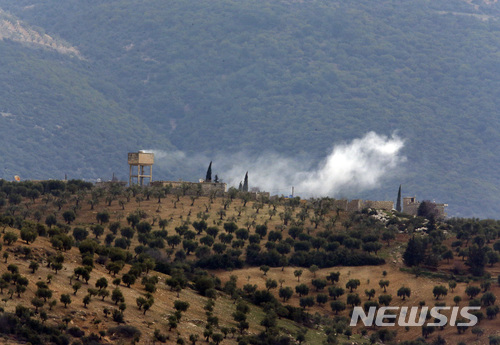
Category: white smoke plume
<point>350,168</point>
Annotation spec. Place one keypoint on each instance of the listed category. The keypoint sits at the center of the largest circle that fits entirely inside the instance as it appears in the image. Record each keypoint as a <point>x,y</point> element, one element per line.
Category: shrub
<point>124,331</point>
<point>76,332</point>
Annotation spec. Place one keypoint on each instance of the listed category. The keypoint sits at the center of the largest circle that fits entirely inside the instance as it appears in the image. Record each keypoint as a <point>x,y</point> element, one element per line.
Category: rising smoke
<point>350,168</point>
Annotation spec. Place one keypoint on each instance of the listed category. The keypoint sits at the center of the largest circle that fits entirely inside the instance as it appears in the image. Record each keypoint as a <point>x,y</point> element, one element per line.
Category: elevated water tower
<point>140,160</point>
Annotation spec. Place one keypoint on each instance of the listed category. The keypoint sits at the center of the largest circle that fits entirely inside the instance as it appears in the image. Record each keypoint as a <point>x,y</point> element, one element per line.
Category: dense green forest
<point>228,76</point>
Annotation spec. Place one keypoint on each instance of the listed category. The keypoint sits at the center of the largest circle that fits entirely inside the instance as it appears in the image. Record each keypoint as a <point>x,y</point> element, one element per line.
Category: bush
<point>158,336</point>
<point>218,261</point>
<point>124,331</point>
<point>204,283</point>
<point>76,332</point>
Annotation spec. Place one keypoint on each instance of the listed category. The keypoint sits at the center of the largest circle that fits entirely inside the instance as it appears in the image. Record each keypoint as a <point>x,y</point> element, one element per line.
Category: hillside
<point>100,266</point>
<point>222,77</point>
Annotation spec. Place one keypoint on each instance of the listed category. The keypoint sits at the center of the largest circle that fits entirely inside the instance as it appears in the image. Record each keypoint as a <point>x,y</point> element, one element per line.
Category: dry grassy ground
<point>369,276</point>
<point>91,319</point>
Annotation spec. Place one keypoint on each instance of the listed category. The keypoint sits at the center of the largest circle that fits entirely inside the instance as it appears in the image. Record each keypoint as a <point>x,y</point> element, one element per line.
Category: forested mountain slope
<point>285,76</point>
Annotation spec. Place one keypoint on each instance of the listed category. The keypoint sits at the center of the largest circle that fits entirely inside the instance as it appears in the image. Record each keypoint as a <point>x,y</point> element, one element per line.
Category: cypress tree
<point>240,187</point>
<point>414,254</point>
<point>208,178</point>
<point>398,203</point>
<point>476,260</point>
<point>245,183</point>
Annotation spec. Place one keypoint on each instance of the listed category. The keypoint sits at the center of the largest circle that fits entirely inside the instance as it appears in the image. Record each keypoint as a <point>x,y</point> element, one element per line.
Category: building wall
<point>411,204</point>
<point>259,195</point>
<point>340,204</point>
<point>379,205</point>
<point>141,158</point>
<point>357,205</point>
<point>354,205</point>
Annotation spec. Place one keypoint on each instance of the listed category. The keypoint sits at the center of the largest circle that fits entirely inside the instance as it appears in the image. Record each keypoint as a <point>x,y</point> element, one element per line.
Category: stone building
<point>411,204</point>
<point>357,205</point>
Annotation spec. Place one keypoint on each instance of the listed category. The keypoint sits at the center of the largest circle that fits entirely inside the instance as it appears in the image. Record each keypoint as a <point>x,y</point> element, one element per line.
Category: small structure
<point>411,204</point>
<point>358,205</point>
<point>140,160</point>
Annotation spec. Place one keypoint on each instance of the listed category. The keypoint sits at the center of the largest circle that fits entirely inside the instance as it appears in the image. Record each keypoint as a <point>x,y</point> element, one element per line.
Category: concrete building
<point>140,160</point>
<point>357,205</point>
<point>411,205</point>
